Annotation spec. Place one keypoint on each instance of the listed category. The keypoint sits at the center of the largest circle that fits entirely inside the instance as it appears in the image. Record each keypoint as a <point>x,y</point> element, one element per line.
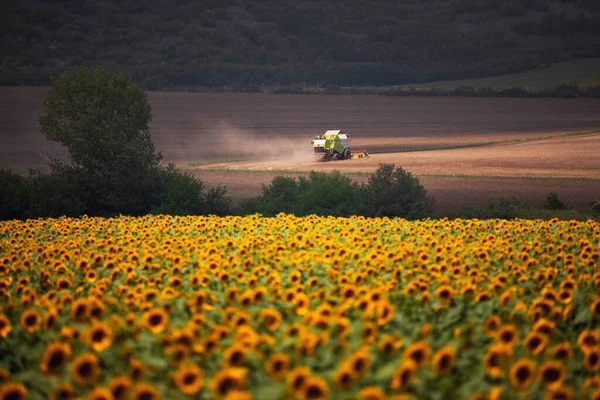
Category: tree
<point>393,192</point>
<point>103,119</point>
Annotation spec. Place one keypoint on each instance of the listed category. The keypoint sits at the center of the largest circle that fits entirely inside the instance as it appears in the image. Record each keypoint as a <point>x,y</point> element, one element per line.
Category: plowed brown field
<point>273,132</point>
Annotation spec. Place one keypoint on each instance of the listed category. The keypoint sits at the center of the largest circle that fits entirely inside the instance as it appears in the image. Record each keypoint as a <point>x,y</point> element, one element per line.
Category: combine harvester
<point>335,145</point>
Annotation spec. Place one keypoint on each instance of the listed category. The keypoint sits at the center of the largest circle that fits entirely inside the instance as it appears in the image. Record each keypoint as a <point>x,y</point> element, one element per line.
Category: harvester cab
<point>335,145</point>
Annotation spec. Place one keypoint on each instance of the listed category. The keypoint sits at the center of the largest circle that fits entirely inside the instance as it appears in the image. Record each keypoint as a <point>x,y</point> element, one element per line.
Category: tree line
<point>349,42</point>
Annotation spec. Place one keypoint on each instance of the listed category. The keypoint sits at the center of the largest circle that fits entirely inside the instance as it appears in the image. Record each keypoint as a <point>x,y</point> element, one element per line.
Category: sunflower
<point>315,388</point>
<point>492,325</point>
<point>189,379</point>
<point>136,369</point>
<point>297,378</point>
<point>85,369</point>
<point>522,374</point>
<point>278,365</point>
<point>63,391</point>
<point>495,360</point>
<point>30,320</point>
<point>561,393</point>
<point>384,311</point>
<point>535,343</point>
<point>79,310</point>
<point>5,326</point>
<point>344,376</point>
<point>595,395</point>
<point>403,374</point>
<point>360,362</point>
<point>419,352</point>
<point>552,374</point>
<point>507,335</point>
<point>235,356</point>
<point>100,393</point>
<point>591,360</point>
<point>50,319</point>
<point>99,336</point>
<point>120,386</point>
<point>389,345</point>
<point>443,360</point>
<point>595,308</point>
<point>227,380</point>
<point>562,351</point>
<point>369,332</point>
<point>55,357</point>
<point>156,320</point>
<point>445,293</point>
<point>145,391</point>
<point>13,391</point>
<point>178,353</point>
<point>587,340</point>
<point>271,318</point>
<point>371,393</point>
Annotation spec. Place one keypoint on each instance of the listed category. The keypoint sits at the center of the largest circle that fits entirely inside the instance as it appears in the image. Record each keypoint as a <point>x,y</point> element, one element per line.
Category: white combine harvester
<point>335,145</point>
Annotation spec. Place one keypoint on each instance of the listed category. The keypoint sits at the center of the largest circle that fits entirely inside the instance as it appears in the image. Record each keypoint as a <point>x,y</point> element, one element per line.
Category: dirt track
<point>192,128</point>
<point>560,157</point>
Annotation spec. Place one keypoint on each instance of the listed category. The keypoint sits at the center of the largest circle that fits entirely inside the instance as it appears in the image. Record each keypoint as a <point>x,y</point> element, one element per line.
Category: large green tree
<point>103,119</point>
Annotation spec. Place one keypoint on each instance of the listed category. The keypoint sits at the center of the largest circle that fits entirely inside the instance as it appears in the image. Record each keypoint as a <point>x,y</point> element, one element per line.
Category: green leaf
<point>271,391</point>
<point>386,371</point>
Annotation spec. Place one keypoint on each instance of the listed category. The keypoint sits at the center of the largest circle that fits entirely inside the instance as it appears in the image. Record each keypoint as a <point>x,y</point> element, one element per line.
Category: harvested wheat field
<point>464,150</point>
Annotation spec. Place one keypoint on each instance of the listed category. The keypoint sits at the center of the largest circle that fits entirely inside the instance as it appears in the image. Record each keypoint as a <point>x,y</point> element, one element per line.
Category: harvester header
<point>334,145</point>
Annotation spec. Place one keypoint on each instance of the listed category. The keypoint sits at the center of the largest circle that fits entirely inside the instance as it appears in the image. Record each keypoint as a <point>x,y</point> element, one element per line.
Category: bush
<point>595,208</point>
<point>183,194</point>
<point>279,196</point>
<point>328,194</point>
<point>60,193</point>
<point>393,192</point>
<point>13,195</point>
<point>321,194</point>
<point>507,207</point>
<point>216,202</point>
<point>552,202</point>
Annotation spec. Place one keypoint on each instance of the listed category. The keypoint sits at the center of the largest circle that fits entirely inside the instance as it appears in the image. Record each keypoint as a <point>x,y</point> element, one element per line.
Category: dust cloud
<point>236,143</point>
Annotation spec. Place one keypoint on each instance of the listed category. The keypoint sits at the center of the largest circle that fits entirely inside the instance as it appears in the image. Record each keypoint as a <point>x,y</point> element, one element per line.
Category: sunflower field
<point>163,307</point>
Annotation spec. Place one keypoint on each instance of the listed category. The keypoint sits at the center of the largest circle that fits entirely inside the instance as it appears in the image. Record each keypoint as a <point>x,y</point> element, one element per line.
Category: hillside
<point>585,72</point>
<point>218,42</point>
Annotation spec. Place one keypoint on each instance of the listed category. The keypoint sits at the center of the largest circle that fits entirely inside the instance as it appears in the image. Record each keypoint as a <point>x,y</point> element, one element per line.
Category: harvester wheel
<point>335,156</point>
<point>346,155</point>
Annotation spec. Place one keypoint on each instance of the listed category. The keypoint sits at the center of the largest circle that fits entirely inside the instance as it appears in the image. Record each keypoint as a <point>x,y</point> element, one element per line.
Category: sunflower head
<point>278,365</point>
<point>31,320</point>
<point>227,380</point>
<point>297,378</point>
<point>522,374</point>
<point>535,343</point>
<point>443,360</point>
<point>99,336</point>
<point>403,374</point>
<point>145,391</point>
<point>85,369</point>
<point>552,374</point>
<point>120,387</point>
<point>13,391</point>
<point>315,388</point>
<point>418,352</point>
<point>55,357</point>
<point>189,379</point>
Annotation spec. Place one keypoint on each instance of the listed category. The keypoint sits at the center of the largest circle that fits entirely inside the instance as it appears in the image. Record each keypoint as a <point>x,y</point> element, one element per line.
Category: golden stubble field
<point>243,140</point>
